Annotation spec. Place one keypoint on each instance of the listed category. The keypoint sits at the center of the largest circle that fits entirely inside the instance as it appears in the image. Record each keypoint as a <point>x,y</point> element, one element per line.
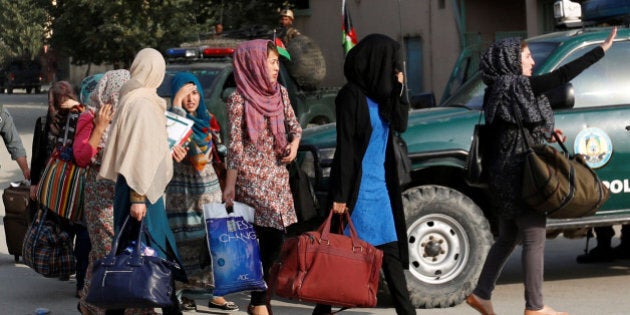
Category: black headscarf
<point>507,87</point>
<point>371,65</point>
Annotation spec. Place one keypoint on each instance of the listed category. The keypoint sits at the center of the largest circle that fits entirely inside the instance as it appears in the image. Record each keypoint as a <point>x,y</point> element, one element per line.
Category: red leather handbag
<point>328,268</point>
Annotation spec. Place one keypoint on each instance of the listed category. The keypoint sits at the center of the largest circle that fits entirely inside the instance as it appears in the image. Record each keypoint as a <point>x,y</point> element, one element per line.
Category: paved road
<point>579,289</point>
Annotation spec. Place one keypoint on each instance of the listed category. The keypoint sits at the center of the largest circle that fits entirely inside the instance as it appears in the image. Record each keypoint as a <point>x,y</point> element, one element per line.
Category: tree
<point>23,29</point>
<point>105,31</point>
<point>112,31</point>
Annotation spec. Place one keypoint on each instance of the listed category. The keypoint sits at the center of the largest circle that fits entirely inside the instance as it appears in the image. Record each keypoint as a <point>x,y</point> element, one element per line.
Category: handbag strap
<point>42,219</point>
<point>519,122</point>
<point>324,229</point>
<point>66,130</point>
<point>136,256</point>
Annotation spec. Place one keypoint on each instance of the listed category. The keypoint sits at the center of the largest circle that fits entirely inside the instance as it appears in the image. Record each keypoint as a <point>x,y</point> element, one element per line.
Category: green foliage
<point>23,29</point>
<point>112,31</point>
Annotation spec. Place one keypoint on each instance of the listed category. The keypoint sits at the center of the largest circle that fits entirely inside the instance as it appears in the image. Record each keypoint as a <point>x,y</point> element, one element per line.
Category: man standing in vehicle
<point>286,31</point>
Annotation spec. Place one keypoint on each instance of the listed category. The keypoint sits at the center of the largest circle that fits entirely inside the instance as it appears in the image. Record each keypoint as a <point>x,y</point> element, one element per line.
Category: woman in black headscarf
<point>364,181</point>
<point>511,89</point>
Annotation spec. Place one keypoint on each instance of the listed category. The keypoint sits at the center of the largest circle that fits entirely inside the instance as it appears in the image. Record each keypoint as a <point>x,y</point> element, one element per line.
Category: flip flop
<point>227,306</point>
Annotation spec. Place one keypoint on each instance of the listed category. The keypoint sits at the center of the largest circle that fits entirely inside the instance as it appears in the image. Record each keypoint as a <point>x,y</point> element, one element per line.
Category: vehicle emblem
<point>595,145</point>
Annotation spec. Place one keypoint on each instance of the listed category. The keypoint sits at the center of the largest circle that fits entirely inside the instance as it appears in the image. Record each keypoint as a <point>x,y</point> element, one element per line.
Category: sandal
<point>227,306</point>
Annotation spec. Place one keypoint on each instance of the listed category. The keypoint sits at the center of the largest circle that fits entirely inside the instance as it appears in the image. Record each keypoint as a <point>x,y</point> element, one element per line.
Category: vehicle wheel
<point>1,90</point>
<point>29,90</point>
<point>448,238</point>
<point>9,90</point>
<point>16,258</point>
<point>38,89</point>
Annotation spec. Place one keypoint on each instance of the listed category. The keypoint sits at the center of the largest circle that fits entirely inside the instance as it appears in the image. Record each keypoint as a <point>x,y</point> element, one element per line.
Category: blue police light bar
<point>182,53</point>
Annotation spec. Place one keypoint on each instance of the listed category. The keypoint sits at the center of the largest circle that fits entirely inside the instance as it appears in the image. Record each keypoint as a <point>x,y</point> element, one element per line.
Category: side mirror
<point>562,97</point>
<point>422,100</point>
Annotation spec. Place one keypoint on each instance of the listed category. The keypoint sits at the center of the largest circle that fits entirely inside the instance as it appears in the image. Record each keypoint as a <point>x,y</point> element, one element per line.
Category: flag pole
<point>404,54</point>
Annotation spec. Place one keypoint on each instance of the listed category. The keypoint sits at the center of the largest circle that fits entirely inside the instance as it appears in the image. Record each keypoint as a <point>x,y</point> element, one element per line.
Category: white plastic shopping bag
<point>234,248</point>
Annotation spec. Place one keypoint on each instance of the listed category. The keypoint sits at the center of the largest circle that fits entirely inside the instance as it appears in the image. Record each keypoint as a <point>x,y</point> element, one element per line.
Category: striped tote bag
<point>61,188</point>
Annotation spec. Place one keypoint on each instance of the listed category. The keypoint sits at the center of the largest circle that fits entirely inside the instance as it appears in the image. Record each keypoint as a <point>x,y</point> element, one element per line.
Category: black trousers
<point>605,234</point>
<point>396,282</point>
<point>270,242</point>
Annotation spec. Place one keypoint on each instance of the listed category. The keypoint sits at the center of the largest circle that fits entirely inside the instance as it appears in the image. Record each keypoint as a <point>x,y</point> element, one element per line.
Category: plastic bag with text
<point>234,249</point>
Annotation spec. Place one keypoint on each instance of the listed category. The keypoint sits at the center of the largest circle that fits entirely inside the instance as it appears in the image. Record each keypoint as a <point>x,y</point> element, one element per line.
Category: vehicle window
<point>540,52</point>
<point>205,76</point>
<point>605,82</point>
<point>469,95</point>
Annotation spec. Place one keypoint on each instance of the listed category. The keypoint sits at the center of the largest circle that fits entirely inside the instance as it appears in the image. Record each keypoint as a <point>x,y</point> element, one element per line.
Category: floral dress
<point>262,181</point>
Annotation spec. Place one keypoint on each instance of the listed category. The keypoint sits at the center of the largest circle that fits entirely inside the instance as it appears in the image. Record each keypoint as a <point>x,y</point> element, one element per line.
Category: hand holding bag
<point>328,268</point>
<point>234,248</point>
<point>47,247</point>
<point>559,186</point>
<point>131,280</point>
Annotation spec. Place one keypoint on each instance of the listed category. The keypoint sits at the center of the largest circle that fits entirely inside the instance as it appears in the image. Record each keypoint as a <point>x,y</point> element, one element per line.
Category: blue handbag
<point>130,279</point>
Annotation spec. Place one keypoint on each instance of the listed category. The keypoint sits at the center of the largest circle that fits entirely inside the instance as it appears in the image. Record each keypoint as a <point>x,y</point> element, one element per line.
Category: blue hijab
<point>201,136</point>
<point>88,84</point>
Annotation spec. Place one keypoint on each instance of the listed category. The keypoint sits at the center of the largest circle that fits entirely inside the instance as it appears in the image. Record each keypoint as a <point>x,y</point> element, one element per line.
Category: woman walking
<point>138,157</point>
<point>90,141</point>
<point>513,92</point>
<point>194,184</point>
<point>264,138</point>
<point>364,180</point>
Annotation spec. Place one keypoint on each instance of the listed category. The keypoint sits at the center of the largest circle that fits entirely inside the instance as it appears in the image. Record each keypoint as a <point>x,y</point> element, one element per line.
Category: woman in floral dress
<point>264,138</point>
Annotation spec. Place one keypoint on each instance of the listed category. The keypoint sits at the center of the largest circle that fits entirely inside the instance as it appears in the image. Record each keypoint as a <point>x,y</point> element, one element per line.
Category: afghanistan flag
<point>349,35</point>
<point>281,49</point>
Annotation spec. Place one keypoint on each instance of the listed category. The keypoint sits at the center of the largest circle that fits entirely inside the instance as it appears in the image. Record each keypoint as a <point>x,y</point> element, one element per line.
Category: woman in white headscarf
<point>138,157</point>
<point>89,142</point>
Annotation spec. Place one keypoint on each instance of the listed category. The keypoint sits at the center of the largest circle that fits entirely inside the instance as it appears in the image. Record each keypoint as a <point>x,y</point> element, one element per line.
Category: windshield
<point>471,93</point>
<point>206,77</point>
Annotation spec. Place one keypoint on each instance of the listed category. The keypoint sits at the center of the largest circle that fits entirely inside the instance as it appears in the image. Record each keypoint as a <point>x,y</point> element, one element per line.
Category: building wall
<point>435,26</point>
<point>491,17</point>
<point>77,73</point>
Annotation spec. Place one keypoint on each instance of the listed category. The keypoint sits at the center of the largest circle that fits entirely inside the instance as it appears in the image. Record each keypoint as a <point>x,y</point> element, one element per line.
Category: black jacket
<point>353,135</point>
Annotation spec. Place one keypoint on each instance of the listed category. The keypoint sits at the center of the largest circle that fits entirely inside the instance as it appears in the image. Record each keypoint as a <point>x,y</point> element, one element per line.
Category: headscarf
<point>201,137</point>
<point>66,112</point>
<point>138,144</point>
<point>372,65</point>
<point>106,92</point>
<point>507,87</point>
<point>262,98</point>
<point>88,84</point>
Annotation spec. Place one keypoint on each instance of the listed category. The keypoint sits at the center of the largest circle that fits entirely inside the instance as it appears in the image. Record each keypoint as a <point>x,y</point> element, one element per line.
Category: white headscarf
<point>138,146</point>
